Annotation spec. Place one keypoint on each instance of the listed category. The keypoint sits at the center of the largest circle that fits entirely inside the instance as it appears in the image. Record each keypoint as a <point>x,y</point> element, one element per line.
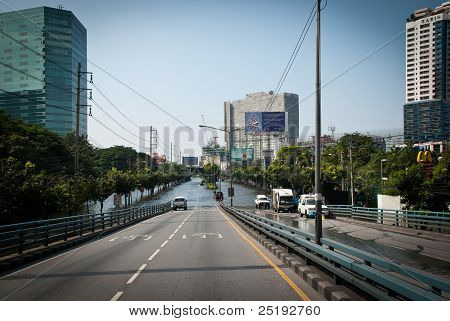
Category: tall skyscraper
<point>40,49</point>
<point>426,112</point>
<point>235,119</point>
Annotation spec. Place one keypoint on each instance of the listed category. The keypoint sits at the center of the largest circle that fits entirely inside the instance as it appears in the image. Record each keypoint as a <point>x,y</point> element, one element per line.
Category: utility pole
<point>351,171</point>
<point>151,144</point>
<point>318,183</point>
<point>77,123</point>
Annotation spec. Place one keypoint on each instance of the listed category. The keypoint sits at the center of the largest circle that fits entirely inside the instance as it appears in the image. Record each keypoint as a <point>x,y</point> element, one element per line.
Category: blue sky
<point>191,56</point>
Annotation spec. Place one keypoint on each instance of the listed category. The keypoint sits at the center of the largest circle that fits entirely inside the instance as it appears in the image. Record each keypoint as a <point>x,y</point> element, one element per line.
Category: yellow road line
<point>286,278</point>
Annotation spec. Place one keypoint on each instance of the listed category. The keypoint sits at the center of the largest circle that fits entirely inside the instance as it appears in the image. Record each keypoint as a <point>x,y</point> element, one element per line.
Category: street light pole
<point>229,132</point>
<point>381,173</point>
<point>318,183</point>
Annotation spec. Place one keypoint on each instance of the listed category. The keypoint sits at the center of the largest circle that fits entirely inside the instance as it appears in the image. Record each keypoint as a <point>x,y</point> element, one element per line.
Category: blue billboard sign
<point>263,122</point>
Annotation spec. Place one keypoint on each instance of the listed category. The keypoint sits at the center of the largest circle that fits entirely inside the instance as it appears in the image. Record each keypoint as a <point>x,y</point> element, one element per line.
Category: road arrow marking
<point>184,236</point>
<point>220,236</point>
<point>113,239</point>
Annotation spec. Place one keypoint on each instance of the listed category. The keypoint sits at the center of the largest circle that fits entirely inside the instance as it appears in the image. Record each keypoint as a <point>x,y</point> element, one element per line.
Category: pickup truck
<point>262,201</point>
<point>179,202</point>
<point>307,207</point>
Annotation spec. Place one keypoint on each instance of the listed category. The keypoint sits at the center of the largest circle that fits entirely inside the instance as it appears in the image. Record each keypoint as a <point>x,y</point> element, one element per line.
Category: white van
<point>283,200</point>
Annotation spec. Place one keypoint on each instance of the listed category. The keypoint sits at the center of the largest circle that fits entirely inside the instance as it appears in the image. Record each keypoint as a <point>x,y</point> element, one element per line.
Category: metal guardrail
<point>17,238</point>
<point>374,275</point>
<point>421,220</point>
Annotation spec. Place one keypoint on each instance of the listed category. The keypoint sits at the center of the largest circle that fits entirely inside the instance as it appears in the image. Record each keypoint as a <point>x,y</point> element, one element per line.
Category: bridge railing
<point>22,237</point>
<point>378,277</point>
<point>421,220</point>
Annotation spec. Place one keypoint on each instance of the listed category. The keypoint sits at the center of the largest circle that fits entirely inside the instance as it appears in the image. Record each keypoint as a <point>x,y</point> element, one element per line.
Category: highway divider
<point>375,276</point>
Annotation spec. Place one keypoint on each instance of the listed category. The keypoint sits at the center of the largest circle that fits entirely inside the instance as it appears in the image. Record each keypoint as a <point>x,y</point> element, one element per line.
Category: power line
<point>294,53</point>
<point>98,121</point>
<point>2,31</point>
<point>357,63</point>
<point>112,118</point>
<point>95,141</point>
<point>40,102</point>
<point>120,111</point>
<point>35,78</point>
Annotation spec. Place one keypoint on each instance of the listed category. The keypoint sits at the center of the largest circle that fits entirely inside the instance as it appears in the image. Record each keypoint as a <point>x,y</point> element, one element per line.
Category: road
<point>199,254</point>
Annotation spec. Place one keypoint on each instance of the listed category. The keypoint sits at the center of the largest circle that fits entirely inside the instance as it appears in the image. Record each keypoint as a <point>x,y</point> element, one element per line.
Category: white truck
<point>262,201</point>
<point>307,206</point>
<point>283,200</point>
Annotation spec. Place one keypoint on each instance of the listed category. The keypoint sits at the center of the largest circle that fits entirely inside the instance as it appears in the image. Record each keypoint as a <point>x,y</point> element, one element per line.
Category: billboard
<point>242,154</point>
<point>190,161</point>
<point>263,122</point>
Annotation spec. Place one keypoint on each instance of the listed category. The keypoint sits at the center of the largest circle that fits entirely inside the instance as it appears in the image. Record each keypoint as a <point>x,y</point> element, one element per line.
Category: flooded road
<point>432,255</point>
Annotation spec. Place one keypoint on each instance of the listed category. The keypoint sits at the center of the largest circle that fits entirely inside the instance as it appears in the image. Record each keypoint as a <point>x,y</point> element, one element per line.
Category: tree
<point>102,187</point>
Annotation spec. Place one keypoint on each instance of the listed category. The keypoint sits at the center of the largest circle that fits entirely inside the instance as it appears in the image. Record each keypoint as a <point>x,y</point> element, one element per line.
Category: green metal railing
<point>22,237</point>
<point>421,220</point>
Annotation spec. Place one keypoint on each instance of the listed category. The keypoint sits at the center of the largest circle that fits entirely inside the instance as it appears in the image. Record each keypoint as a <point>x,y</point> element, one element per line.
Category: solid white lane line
<point>180,226</point>
<point>171,236</point>
<point>165,242</point>
<point>153,255</point>
<point>176,230</point>
<point>135,275</point>
<point>117,296</point>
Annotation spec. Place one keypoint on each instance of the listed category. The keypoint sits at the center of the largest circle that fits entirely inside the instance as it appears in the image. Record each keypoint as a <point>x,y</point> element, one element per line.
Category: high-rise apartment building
<point>268,142</point>
<point>40,49</point>
<point>426,111</point>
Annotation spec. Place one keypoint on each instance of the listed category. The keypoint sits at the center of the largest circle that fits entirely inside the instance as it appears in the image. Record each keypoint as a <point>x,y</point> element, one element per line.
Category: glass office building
<point>40,49</point>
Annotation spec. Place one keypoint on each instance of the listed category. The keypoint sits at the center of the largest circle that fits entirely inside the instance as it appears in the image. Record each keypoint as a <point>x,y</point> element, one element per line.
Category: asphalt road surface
<point>199,254</point>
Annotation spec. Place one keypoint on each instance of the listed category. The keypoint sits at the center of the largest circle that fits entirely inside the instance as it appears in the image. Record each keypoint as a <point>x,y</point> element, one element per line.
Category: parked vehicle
<point>283,200</point>
<point>180,202</point>
<point>262,201</point>
<point>307,207</point>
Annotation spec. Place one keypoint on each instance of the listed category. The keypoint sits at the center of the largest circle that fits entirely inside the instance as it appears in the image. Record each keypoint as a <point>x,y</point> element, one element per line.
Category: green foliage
<point>36,173</point>
<point>211,172</point>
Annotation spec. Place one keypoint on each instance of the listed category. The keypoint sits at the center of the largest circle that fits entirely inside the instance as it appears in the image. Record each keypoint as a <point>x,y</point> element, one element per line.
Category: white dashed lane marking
<point>165,242</point>
<point>117,296</point>
<point>136,274</point>
<point>153,255</point>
